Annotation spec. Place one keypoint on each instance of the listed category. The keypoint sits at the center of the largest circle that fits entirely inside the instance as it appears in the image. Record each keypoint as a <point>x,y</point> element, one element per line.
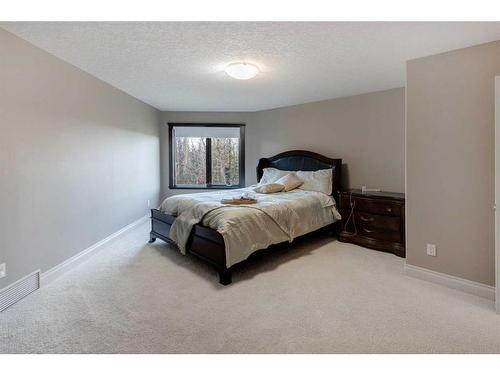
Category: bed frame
<point>208,244</point>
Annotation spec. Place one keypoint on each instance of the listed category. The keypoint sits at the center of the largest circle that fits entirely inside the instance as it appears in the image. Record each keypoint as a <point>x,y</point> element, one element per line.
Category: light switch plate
<point>431,249</point>
<point>3,270</point>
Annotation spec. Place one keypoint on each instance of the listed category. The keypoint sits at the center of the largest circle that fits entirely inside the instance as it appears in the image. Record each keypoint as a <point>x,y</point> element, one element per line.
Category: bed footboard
<point>160,226</point>
<point>204,243</point>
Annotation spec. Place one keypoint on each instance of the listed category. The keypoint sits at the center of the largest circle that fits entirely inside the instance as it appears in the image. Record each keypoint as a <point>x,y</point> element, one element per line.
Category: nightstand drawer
<point>392,223</point>
<point>378,234</point>
<point>381,207</point>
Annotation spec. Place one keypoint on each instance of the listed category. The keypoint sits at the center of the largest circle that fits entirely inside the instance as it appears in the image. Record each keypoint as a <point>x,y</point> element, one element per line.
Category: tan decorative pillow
<point>269,188</point>
<point>291,181</point>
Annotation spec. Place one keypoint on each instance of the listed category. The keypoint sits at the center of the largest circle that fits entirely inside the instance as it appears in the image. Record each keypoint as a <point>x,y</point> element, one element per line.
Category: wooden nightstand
<point>375,220</point>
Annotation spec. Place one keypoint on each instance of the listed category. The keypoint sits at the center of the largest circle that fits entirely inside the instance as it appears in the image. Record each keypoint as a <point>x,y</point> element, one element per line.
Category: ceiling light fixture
<point>240,70</point>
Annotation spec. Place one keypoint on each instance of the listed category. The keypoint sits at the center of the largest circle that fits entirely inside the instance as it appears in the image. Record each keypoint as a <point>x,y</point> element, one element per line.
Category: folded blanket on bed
<point>274,218</point>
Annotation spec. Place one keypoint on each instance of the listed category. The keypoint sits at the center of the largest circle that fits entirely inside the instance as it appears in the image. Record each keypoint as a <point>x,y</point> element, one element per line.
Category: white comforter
<point>273,219</point>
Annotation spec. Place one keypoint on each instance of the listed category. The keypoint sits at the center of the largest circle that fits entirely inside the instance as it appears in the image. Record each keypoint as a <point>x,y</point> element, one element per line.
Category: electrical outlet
<point>431,249</point>
<point>3,270</point>
<point>149,203</point>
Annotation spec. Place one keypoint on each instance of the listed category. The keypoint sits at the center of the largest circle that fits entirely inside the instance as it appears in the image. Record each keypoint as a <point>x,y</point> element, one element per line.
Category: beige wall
<point>367,131</point>
<point>450,161</point>
<point>78,159</point>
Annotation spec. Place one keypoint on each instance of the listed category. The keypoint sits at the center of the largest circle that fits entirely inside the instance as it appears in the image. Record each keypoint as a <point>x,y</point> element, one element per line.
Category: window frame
<point>208,161</point>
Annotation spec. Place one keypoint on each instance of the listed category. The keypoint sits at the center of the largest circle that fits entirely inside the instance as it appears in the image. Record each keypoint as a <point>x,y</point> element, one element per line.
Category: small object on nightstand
<point>365,190</point>
<point>373,219</point>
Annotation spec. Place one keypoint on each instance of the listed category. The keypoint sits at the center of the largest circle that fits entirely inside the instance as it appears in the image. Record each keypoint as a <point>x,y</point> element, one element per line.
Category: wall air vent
<point>19,289</point>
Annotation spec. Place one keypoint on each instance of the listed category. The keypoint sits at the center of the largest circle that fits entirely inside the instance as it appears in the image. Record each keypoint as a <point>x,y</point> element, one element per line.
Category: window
<point>207,156</point>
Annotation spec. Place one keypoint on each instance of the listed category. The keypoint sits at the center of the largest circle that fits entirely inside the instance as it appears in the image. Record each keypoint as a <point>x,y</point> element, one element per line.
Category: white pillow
<point>269,188</point>
<point>320,180</point>
<point>271,175</point>
<point>291,181</point>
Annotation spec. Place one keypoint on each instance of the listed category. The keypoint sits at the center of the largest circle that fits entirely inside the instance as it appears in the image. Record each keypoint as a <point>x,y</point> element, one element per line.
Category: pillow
<point>320,180</point>
<point>271,175</point>
<point>269,188</point>
<point>291,181</point>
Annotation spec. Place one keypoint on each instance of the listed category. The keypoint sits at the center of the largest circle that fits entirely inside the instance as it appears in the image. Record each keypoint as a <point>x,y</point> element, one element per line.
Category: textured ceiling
<point>179,66</point>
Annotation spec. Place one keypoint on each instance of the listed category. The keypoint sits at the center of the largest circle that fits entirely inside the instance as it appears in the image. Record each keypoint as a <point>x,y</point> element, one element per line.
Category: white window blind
<point>206,132</point>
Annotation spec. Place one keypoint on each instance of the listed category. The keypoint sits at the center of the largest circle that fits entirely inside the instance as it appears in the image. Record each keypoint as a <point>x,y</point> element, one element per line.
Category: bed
<point>216,247</point>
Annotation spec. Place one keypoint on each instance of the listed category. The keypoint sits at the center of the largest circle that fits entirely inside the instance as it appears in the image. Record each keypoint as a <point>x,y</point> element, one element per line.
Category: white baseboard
<point>464,285</point>
<point>52,274</point>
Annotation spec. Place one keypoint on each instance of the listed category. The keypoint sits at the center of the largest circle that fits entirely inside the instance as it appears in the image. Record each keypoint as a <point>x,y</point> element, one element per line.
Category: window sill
<point>204,187</point>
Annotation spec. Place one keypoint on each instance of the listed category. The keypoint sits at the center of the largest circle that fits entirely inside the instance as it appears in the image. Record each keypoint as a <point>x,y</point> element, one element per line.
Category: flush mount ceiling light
<point>241,70</point>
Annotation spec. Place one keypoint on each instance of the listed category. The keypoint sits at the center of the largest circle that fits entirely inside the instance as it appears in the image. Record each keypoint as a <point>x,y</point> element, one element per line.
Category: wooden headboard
<point>299,160</point>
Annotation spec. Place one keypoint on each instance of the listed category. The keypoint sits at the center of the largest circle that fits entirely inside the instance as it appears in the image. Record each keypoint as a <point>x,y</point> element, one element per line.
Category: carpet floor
<point>316,296</point>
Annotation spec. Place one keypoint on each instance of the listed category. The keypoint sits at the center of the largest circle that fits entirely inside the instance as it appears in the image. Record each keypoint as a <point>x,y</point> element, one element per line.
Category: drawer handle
<point>367,230</point>
<point>389,209</point>
<point>369,219</point>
